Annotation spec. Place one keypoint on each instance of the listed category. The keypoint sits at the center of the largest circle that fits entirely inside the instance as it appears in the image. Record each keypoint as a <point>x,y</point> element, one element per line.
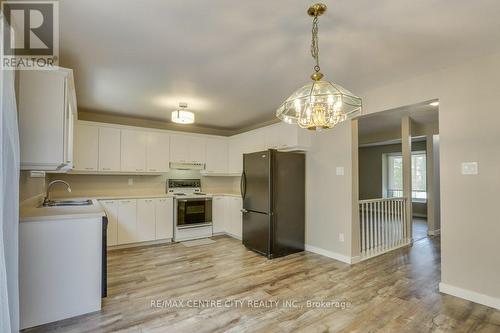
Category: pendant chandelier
<point>319,104</point>
<point>182,116</point>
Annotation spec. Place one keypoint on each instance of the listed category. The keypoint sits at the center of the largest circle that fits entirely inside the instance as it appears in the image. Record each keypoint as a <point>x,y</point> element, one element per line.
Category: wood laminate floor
<point>396,292</point>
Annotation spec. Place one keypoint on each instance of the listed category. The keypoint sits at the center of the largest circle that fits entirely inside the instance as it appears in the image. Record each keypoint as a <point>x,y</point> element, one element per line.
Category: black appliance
<point>192,212</point>
<point>273,191</point>
<point>104,263</point>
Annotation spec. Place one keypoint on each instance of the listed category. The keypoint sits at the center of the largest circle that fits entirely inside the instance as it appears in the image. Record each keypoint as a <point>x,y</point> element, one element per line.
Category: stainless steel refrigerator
<point>273,191</point>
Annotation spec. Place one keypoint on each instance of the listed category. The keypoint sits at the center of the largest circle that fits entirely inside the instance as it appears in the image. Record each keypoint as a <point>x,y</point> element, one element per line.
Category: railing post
<point>407,186</point>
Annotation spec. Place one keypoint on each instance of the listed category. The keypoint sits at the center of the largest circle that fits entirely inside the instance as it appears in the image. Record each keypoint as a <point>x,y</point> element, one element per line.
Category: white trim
<point>146,243</point>
<point>329,254</point>
<point>231,235</point>
<point>470,295</point>
<point>434,232</point>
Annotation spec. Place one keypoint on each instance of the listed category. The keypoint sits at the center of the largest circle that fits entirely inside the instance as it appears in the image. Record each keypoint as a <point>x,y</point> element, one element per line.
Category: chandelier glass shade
<point>182,116</point>
<point>319,104</point>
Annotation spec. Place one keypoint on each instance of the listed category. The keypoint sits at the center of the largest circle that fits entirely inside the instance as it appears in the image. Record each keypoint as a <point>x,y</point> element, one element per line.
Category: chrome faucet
<point>47,201</point>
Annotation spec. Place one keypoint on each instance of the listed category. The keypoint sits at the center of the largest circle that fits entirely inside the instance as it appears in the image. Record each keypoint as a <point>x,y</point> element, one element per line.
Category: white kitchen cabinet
<point>111,209</point>
<point>146,220</point>
<point>133,150</point>
<point>86,148</point>
<point>233,219</point>
<point>109,149</point>
<point>216,156</point>
<point>282,136</point>
<point>187,149</point>
<point>219,208</point>
<point>164,210</point>
<point>47,111</point>
<point>235,155</point>
<point>158,152</point>
<point>197,150</point>
<point>127,221</point>
<point>179,148</point>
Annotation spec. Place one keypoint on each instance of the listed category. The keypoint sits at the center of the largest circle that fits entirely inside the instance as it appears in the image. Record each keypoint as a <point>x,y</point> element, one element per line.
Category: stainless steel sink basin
<point>57,203</point>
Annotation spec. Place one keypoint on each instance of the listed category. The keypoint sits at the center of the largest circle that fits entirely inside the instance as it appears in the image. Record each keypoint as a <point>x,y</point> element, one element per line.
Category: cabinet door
<point>127,221</point>
<point>158,152</point>
<point>216,156</point>
<point>146,225</point>
<point>219,214</point>
<point>109,149</point>
<point>164,218</point>
<point>233,222</point>
<point>235,156</point>
<point>111,209</point>
<point>197,150</point>
<point>281,136</point>
<point>86,149</point>
<point>179,148</point>
<point>133,150</point>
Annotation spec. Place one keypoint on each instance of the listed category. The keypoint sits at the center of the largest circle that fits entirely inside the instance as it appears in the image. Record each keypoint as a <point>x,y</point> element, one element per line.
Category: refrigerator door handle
<point>244,211</point>
<point>243,185</point>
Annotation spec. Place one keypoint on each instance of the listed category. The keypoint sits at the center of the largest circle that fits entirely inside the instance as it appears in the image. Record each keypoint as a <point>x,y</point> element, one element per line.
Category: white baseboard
<point>329,254</point>
<point>419,215</point>
<point>470,295</point>
<point>434,232</point>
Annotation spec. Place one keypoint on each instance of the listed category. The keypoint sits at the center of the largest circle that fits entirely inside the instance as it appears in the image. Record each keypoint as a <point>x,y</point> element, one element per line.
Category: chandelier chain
<point>314,43</point>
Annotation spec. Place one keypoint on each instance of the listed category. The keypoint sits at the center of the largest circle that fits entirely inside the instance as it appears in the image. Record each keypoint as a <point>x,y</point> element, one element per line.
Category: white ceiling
<point>235,61</point>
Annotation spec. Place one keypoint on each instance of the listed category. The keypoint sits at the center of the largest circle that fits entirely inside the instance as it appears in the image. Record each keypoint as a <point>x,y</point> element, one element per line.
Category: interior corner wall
<point>468,132</point>
<point>328,196</point>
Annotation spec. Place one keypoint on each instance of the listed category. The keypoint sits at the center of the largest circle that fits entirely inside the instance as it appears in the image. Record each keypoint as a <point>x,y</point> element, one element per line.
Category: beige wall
<point>110,185</point>
<point>30,187</point>
<point>329,197</point>
<point>468,127</point>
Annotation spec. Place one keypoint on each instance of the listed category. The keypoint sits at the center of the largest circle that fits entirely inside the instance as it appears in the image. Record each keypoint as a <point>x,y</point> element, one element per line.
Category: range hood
<point>187,166</point>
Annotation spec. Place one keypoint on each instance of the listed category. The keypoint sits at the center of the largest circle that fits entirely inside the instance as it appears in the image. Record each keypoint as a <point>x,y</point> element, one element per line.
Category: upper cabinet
<point>133,150</point>
<point>283,136</point>
<point>187,149</point>
<point>109,149</point>
<point>216,156</point>
<point>158,152</point>
<point>47,110</point>
<point>87,141</point>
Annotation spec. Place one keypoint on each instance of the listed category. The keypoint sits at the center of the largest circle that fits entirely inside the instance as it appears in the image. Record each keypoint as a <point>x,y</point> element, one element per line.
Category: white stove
<point>192,209</point>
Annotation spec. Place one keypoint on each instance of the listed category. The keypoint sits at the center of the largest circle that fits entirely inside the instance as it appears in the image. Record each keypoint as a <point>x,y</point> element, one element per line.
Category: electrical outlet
<point>131,181</point>
<point>341,237</point>
<point>339,171</point>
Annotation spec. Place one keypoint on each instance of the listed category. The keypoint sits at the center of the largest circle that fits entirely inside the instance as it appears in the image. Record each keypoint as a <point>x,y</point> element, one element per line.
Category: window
<point>394,176</point>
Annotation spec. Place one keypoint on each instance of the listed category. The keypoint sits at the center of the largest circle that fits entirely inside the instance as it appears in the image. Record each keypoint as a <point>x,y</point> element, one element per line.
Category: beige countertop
<point>31,210</point>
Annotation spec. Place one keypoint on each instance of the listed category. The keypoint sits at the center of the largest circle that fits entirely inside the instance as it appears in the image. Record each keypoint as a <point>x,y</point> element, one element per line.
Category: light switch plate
<point>339,171</point>
<point>469,168</point>
<point>131,181</point>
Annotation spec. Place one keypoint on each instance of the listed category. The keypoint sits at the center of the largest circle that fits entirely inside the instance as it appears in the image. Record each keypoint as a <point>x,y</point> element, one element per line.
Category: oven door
<point>193,212</point>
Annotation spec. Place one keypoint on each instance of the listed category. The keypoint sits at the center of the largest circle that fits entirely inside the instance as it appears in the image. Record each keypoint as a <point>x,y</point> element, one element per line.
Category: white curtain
<point>9,204</point>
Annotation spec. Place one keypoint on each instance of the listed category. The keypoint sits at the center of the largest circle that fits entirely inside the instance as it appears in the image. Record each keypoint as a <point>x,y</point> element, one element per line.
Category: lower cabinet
<point>138,220</point>
<point>164,208</point>
<point>146,220</point>
<point>226,215</point>
<point>127,221</point>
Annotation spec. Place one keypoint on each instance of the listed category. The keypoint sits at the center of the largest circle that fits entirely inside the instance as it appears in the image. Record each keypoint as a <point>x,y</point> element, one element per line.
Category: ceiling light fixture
<point>182,116</point>
<point>319,104</point>
<point>436,103</point>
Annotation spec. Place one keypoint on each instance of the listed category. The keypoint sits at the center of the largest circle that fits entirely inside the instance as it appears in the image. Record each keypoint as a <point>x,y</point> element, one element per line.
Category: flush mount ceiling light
<point>182,116</point>
<point>319,104</point>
